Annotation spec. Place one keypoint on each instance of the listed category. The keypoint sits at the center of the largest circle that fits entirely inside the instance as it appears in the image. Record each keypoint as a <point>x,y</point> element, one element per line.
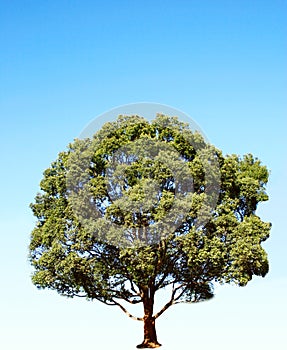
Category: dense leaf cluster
<point>75,255</point>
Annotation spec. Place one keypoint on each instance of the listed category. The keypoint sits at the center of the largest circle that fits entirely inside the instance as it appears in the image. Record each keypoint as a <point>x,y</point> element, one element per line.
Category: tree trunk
<point>150,337</point>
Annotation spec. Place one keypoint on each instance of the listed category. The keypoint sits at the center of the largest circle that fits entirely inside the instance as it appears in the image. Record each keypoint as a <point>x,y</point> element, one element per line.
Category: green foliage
<point>74,256</point>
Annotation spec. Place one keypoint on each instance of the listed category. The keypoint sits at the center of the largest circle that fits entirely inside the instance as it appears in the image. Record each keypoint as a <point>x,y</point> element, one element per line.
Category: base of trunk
<point>148,344</point>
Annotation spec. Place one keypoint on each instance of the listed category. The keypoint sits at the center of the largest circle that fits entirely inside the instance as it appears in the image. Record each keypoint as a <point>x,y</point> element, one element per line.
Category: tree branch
<point>126,312</point>
<point>120,295</point>
<point>166,306</point>
<point>171,301</point>
<point>180,295</point>
<point>131,282</point>
<point>166,273</point>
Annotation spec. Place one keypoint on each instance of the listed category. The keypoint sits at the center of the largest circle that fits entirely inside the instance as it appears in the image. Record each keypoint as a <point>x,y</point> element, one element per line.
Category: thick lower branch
<point>166,306</point>
<point>126,312</point>
<point>172,301</point>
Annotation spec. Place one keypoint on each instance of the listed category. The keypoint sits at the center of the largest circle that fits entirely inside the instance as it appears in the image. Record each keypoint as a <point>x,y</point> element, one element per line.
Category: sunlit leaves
<point>173,234</point>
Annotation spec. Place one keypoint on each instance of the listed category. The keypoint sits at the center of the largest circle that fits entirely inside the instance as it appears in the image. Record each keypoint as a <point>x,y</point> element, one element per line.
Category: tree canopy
<point>146,205</point>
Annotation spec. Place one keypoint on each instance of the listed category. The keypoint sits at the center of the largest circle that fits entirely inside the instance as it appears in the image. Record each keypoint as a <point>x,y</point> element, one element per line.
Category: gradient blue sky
<point>63,63</point>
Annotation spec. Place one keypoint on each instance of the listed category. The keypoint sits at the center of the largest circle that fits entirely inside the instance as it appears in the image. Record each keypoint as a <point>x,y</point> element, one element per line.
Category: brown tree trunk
<point>150,337</point>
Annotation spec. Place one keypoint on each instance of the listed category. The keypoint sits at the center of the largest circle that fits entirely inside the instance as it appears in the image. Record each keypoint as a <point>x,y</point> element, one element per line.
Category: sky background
<point>62,64</point>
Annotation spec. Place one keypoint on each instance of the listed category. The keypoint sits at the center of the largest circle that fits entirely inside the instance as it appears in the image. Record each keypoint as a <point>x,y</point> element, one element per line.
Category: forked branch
<point>173,300</point>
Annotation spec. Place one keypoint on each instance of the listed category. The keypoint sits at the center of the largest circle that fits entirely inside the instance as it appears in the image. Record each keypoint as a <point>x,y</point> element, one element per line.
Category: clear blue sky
<point>62,63</point>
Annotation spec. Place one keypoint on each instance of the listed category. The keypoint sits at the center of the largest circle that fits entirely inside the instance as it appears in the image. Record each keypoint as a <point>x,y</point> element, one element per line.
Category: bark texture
<point>150,337</point>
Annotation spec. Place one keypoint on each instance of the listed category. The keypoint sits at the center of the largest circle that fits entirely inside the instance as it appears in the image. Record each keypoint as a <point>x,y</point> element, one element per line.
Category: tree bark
<point>150,337</point>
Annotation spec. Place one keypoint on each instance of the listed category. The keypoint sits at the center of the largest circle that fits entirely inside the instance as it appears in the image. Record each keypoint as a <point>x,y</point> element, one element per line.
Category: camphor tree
<point>146,205</point>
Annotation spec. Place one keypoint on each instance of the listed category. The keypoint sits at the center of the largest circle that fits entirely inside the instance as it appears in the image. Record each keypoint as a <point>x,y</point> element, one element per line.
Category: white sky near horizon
<point>65,62</point>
